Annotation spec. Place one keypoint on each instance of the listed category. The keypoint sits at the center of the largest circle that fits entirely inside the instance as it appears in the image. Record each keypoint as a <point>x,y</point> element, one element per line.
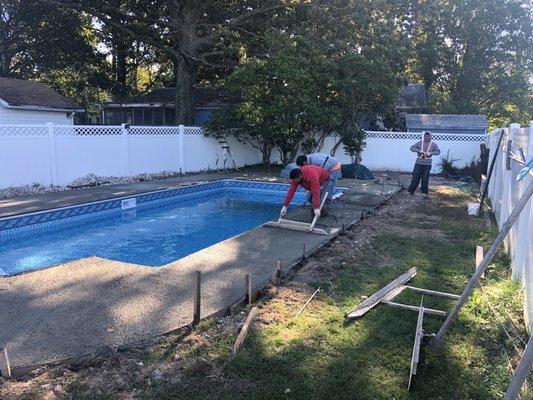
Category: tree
<point>189,32</point>
<point>475,56</point>
<point>284,97</point>
<point>56,47</point>
<point>301,92</point>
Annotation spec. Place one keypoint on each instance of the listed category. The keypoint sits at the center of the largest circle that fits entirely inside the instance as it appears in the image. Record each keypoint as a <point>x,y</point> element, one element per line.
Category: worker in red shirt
<point>310,177</point>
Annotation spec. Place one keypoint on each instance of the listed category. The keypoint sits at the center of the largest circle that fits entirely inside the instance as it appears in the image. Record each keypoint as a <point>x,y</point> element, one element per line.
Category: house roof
<point>412,96</point>
<point>18,93</point>
<point>204,97</point>
<point>438,122</point>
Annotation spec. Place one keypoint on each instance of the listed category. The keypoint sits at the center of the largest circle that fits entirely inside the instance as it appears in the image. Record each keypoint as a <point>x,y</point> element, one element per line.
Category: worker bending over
<point>329,163</point>
<point>310,177</point>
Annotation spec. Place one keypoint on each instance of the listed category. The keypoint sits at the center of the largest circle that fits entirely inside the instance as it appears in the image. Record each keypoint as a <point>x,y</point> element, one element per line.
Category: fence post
<point>507,176</point>
<point>52,152</point>
<point>181,151</point>
<point>125,149</point>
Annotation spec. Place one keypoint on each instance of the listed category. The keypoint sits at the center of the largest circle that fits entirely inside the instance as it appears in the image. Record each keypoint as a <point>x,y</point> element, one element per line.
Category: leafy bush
<point>447,165</point>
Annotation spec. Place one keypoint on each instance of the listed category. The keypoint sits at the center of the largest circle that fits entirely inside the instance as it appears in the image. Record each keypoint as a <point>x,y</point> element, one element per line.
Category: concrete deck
<point>80,307</point>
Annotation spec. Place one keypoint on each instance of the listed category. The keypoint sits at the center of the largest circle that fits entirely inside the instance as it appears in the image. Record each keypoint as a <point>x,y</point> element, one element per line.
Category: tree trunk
<point>266,152</point>
<point>185,76</point>
<point>120,68</point>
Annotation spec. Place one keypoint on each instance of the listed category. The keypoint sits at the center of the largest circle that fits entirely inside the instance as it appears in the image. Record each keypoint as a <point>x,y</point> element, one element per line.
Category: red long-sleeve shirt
<point>312,178</point>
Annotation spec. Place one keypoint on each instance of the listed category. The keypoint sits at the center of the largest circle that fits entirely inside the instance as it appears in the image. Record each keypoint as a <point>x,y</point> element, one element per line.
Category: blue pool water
<point>154,234</point>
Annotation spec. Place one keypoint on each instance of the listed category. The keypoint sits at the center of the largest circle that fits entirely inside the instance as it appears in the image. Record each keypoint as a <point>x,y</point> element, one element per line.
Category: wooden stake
<point>279,271</point>
<point>247,289</point>
<point>434,293</point>
<point>479,258</point>
<point>483,266</point>
<point>244,331</point>
<point>399,179</point>
<point>197,296</point>
<point>305,305</point>
<point>5,367</point>
<point>419,334</point>
<point>374,300</point>
<point>520,373</point>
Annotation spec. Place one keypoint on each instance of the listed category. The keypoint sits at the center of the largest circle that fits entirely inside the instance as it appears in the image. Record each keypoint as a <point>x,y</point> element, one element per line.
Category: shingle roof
<point>445,121</point>
<point>22,93</point>
<point>203,97</point>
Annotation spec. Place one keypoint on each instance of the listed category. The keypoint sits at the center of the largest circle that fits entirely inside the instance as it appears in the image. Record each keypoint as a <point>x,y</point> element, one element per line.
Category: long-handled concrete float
<point>300,226</point>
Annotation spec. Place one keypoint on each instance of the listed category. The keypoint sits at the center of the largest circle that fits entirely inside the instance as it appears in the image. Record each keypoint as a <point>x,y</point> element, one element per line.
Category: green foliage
<point>474,57</point>
<point>447,165</point>
<point>300,93</point>
<point>353,143</point>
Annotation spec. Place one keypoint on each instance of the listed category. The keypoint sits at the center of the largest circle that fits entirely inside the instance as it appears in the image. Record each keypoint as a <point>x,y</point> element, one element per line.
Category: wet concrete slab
<point>83,306</point>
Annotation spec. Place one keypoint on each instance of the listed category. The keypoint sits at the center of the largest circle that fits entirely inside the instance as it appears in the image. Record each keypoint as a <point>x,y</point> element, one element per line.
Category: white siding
<point>14,116</point>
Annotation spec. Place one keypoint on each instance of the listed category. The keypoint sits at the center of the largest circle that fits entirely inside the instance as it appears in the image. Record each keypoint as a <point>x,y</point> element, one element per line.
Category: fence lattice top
<point>117,130</point>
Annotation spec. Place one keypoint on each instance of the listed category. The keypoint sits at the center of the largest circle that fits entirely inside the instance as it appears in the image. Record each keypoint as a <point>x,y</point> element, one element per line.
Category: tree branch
<point>154,40</point>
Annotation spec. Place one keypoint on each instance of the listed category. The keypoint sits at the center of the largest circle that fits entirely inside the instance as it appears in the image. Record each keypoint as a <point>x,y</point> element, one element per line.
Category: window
<point>170,115</point>
<point>148,116</point>
<point>127,117</point>
<point>109,117</point>
<point>138,116</point>
<point>158,116</point>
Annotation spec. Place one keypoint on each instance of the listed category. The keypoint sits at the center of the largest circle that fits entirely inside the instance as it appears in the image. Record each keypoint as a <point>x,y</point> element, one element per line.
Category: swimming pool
<point>151,229</point>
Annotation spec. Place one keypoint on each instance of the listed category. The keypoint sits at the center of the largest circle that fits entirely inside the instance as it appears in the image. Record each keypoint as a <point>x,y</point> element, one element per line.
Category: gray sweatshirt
<point>322,160</point>
<point>432,150</point>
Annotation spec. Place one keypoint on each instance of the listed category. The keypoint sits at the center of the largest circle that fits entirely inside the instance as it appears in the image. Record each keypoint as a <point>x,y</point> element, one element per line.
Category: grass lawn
<point>319,356</point>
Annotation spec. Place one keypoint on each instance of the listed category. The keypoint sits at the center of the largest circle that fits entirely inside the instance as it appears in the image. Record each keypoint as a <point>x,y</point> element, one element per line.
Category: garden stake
<point>197,289</point>
<point>437,340</point>
<point>5,367</point>
<point>279,271</point>
<point>247,289</point>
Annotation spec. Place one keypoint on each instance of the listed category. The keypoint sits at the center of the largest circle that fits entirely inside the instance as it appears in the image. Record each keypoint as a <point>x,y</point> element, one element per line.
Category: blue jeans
<point>420,173</point>
<point>329,186</point>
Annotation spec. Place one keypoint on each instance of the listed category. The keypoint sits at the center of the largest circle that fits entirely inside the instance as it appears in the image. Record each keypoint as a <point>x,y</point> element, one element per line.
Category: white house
<point>27,102</point>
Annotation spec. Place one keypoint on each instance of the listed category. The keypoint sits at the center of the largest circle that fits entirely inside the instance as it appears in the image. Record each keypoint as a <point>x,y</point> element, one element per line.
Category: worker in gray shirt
<point>424,150</point>
<point>329,163</point>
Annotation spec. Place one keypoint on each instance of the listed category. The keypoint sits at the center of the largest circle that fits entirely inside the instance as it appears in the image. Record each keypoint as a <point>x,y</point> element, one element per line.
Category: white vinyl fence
<point>57,154</point>
<point>504,193</point>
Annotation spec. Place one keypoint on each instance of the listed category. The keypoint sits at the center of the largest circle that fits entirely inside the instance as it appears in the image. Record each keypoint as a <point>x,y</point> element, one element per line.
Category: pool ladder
<point>226,152</point>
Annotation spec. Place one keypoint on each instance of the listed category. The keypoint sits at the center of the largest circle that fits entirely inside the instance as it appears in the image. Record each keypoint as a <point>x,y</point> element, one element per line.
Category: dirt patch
<point>413,233</point>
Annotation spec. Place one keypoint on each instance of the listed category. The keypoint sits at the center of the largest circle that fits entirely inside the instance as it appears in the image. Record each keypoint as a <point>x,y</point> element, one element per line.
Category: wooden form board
<point>419,334</point>
<point>377,297</point>
<point>244,331</point>
<point>415,308</point>
<point>434,292</point>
